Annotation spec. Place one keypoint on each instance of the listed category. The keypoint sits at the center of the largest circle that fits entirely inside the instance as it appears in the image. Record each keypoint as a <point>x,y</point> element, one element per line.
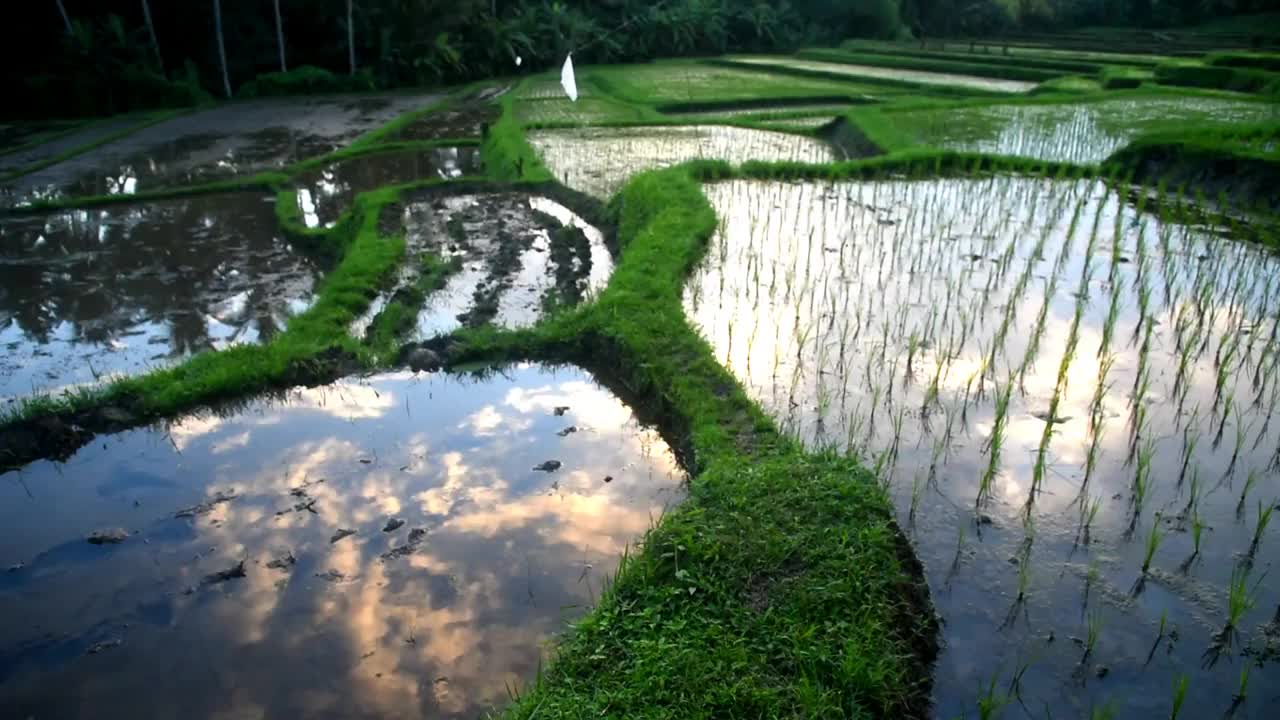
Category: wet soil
<point>87,294</point>
<point>230,140</point>
<point>468,120</point>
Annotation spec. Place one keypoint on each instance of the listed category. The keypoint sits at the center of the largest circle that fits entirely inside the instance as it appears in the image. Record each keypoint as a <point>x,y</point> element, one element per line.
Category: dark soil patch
<point>463,121</point>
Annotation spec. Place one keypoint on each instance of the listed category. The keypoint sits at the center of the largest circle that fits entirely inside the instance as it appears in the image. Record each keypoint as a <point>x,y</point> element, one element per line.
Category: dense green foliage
<point>103,58</point>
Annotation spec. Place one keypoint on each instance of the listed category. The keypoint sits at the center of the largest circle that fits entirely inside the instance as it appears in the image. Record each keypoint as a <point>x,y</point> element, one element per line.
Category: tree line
<point>72,57</point>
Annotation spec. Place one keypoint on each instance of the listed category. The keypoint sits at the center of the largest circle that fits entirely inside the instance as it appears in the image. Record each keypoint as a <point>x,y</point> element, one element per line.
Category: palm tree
<point>222,48</point>
<point>151,28</point>
<point>280,36</point>
<point>351,37</point>
<point>66,19</point>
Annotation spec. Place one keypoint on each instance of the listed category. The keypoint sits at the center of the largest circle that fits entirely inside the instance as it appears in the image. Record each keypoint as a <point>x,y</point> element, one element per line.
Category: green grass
<point>666,83</point>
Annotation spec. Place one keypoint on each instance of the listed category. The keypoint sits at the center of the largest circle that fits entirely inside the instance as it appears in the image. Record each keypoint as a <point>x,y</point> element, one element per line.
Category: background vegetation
<point>97,57</point>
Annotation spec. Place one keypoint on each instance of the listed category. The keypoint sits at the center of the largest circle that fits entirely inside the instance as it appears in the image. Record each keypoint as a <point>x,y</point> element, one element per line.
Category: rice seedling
<point>1093,631</point>
<point>1154,538</point>
<point>991,702</point>
<point>1249,482</point>
<point>1142,478</point>
<point>1240,600</point>
<point>1260,527</point>
<point>1242,687</point>
<point>1164,618</point>
<point>1179,695</point>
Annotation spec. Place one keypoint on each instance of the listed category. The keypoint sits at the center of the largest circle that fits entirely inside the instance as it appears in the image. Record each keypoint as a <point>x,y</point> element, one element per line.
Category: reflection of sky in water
<point>86,294</point>
<point>599,160</point>
<point>1085,132</point>
<point>812,294</point>
<point>329,192</point>
<point>509,553</point>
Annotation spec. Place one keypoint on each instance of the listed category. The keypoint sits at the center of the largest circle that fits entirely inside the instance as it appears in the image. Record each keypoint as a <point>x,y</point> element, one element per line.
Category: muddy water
<point>1084,133</point>
<point>519,256</point>
<point>894,319</point>
<point>599,161</point>
<point>222,142</point>
<point>465,121</point>
<point>326,193</point>
<point>915,76</point>
<point>401,555</point>
<point>91,293</point>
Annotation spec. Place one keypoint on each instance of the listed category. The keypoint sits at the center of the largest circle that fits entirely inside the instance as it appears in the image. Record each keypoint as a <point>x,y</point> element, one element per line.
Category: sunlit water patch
<point>86,294</point>
<point>1049,383</point>
<point>598,161</point>
<point>223,142</point>
<point>397,546</point>
<point>916,76</point>
<point>1082,133</point>
<point>326,193</point>
<point>514,256</point>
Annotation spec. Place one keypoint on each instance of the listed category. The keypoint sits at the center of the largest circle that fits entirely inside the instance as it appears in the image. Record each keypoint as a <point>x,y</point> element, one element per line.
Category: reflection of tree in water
<point>104,272</point>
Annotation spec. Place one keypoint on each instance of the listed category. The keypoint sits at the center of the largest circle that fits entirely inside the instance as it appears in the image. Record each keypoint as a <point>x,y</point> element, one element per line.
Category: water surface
<point>86,294</point>
<point>230,140</point>
<point>599,161</point>
<point>433,618</point>
<point>893,320</point>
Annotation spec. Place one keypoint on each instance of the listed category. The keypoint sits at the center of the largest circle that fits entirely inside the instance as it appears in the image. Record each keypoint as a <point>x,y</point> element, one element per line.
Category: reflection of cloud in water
<point>437,632</point>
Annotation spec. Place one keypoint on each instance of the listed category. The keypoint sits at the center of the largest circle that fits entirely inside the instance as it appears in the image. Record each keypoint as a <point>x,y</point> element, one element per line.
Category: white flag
<point>519,60</point>
<point>567,80</point>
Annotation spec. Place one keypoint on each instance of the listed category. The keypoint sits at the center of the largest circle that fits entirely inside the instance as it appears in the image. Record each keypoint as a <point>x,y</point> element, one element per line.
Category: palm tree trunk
<point>280,36</point>
<point>66,19</point>
<point>222,48</point>
<point>151,29</point>
<point>351,37</point>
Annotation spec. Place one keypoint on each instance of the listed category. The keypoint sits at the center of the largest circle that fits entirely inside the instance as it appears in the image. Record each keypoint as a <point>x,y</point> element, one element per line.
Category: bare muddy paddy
<point>86,294</point>
<point>326,193</point>
<point>512,257</point>
<point>394,546</point>
<point>598,161</point>
<point>884,73</point>
<point>226,141</point>
<point>1070,401</point>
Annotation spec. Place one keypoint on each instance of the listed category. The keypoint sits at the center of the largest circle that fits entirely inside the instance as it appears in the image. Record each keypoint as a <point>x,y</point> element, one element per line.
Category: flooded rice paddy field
<point>59,139</point>
<point>598,161</point>
<point>218,143</point>
<point>514,256</point>
<point>915,76</point>
<point>86,294</point>
<point>393,546</point>
<point>1070,402</point>
<point>1083,133</point>
<point>326,193</point>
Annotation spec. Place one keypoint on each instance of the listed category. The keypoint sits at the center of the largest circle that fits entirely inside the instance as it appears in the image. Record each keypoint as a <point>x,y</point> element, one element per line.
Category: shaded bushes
<point>1217,77</point>
<point>306,80</point>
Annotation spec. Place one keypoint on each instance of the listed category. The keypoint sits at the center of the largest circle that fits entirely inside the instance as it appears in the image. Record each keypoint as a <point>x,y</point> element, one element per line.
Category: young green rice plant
<point>1251,479</point>
<point>1164,618</point>
<point>1179,695</point>
<point>991,702</point>
<point>1260,527</point>
<point>1242,688</point>
<point>1189,441</point>
<point>1240,599</point>
<point>1093,631</point>
<point>996,441</point>
<point>1142,478</point>
<point>1154,538</point>
<point>917,487</point>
